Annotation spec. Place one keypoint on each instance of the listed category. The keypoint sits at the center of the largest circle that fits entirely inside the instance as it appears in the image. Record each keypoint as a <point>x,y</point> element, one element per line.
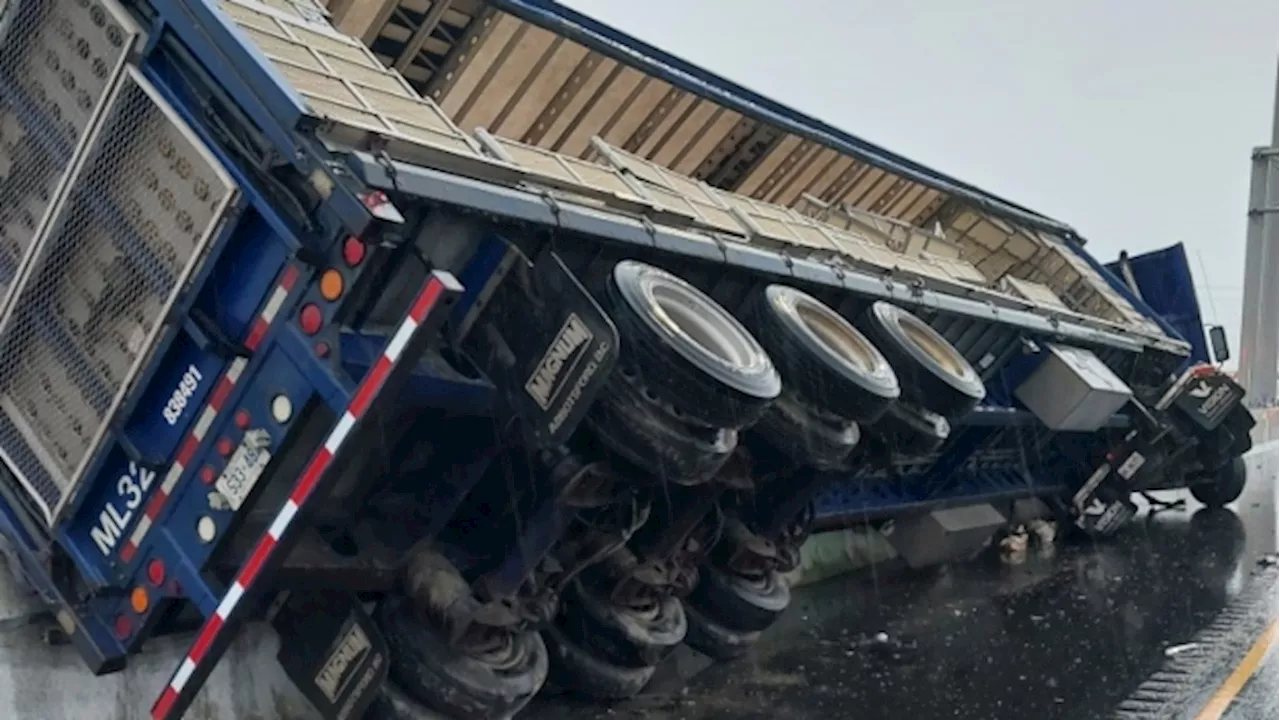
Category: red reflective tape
<point>368,389</point>
<point>289,277</point>
<point>188,451</point>
<point>155,503</point>
<point>205,639</point>
<point>307,481</point>
<point>221,392</point>
<point>256,334</point>
<point>129,551</point>
<point>165,704</point>
<point>311,476</point>
<point>253,565</point>
<point>426,300</point>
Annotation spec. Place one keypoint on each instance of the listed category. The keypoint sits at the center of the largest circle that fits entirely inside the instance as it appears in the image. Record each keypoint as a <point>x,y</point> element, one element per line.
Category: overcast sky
<point>1131,120</point>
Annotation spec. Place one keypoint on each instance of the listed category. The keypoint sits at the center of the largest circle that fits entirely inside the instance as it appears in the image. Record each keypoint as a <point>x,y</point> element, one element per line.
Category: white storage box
<point>1073,390</point>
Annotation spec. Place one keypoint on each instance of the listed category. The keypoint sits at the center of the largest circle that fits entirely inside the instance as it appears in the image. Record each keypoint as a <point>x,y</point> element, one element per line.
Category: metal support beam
<point>1259,315</point>
<point>419,38</point>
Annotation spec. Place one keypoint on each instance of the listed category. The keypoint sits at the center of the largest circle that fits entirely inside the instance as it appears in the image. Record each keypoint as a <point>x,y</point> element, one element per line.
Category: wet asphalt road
<point>1067,634</point>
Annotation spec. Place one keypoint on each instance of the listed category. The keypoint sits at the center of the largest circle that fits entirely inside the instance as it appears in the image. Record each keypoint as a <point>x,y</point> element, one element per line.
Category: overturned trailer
<point>460,409</point>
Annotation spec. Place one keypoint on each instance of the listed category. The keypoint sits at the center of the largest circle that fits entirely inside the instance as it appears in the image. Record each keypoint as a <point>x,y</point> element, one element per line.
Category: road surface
<point>1072,635</point>
<point>1078,633</point>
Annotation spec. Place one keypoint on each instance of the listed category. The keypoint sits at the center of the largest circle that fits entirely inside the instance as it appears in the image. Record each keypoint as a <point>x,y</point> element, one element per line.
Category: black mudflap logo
<point>547,346</point>
<point>332,651</point>
<point>1208,399</point>
<point>561,359</point>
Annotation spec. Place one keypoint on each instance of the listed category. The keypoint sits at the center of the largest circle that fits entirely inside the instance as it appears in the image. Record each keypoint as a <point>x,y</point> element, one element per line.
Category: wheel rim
<point>686,312</point>
<point>934,345</point>
<point>839,336</point>
<point>499,648</point>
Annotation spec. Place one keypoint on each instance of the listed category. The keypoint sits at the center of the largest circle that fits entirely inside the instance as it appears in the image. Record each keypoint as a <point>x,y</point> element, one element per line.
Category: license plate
<point>245,467</point>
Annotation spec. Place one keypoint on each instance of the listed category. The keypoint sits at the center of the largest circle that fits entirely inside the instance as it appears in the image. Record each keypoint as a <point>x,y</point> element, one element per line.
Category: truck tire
<point>715,640</point>
<point>1226,485</point>
<point>618,635</point>
<point>635,425</point>
<point>932,373</point>
<point>740,603</point>
<point>821,356</point>
<point>689,350</point>
<point>574,668</point>
<point>392,703</point>
<point>1233,438</point>
<point>444,679</point>
<point>790,429</point>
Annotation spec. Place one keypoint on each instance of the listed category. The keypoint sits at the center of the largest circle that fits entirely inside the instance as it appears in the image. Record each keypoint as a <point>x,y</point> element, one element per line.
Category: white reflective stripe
<point>273,305</point>
<point>237,367</point>
<point>400,339</point>
<point>143,526</point>
<point>171,478</point>
<point>183,675</point>
<point>202,425</point>
<point>283,518</point>
<point>339,432</point>
<point>229,600</point>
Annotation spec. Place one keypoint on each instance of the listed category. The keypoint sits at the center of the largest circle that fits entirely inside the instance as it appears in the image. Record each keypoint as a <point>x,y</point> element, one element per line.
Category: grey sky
<point>1132,120</point>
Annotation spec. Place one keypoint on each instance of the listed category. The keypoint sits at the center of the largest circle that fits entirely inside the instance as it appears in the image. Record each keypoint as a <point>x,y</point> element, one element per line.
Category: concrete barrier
<point>43,682</point>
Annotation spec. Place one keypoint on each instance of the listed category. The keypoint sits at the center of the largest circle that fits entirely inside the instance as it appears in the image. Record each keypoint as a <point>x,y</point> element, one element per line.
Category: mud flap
<point>547,346</point>
<point>1101,505</point>
<point>332,651</point>
<point>1208,399</point>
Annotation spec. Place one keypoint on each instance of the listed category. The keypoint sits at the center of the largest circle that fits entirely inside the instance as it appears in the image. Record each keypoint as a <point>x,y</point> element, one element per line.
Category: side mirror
<point>1218,342</point>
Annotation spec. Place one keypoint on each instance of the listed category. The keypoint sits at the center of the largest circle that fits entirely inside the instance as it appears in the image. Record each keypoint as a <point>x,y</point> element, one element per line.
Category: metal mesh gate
<point>57,61</point>
<point>140,200</point>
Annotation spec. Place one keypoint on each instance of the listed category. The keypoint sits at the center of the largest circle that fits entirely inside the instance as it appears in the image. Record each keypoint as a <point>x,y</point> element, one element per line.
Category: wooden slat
<point>767,165</point>
<point>904,200</point>
<point>793,163</point>
<point>694,116</point>
<point>475,61</point>
<point>879,199</point>
<point>912,213</point>
<point>526,83</point>
<point>710,165</point>
<point>668,120</point>
<point>575,91</point>
<point>619,86</point>
<point>719,125</point>
<point>826,177</point>
<point>603,78</point>
<point>811,168</point>
<point>633,112</point>
<point>509,77</point>
<point>867,182</point>
<point>557,65</point>
<point>844,183</point>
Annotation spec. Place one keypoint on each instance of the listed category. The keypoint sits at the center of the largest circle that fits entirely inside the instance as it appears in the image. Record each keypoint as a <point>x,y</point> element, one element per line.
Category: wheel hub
<point>933,345</point>
<point>837,335</point>
<point>496,647</point>
<point>686,313</point>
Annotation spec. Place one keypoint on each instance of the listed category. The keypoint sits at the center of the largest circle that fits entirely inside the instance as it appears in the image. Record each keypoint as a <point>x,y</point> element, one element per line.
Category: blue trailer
<point>455,411</point>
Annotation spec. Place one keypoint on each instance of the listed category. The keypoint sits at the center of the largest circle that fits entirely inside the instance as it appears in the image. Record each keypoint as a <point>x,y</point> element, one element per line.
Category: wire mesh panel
<point>131,227</point>
<point>57,60</point>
